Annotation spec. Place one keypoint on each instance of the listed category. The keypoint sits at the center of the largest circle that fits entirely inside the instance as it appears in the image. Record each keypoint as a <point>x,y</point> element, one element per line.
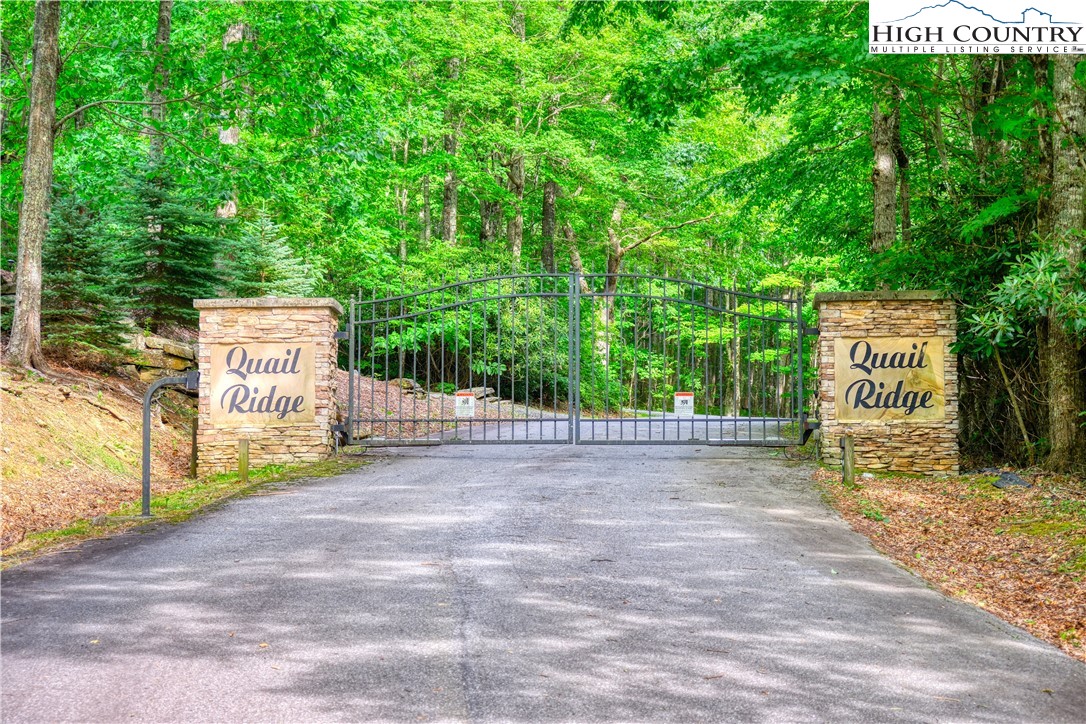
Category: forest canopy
<point>327,148</point>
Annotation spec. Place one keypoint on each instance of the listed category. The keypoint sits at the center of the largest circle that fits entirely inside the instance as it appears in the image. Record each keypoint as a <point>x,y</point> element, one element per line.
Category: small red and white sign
<point>465,404</point>
<point>684,404</point>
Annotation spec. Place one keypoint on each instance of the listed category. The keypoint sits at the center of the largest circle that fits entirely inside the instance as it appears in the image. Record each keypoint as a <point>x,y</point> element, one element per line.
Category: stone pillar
<point>888,377</point>
<point>267,373</point>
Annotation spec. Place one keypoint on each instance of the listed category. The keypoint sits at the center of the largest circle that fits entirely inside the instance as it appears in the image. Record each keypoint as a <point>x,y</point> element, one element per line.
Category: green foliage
<point>170,251</point>
<point>261,263</point>
<point>754,117</point>
<point>83,309</point>
<point>1037,285</point>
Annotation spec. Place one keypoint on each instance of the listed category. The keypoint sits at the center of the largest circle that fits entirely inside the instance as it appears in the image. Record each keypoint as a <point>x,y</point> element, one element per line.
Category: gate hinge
<point>810,331</point>
<point>340,335</point>
<point>339,427</point>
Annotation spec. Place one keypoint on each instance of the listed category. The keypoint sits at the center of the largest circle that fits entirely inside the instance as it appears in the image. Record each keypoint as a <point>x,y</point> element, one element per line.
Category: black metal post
<point>191,381</point>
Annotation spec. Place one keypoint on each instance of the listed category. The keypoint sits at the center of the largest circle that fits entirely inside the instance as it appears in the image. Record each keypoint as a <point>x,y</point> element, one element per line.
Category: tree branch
<point>75,47</point>
<point>109,101</point>
<point>664,230</point>
<point>836,146</point>
<point>15,66</point>
<point>159,132</point>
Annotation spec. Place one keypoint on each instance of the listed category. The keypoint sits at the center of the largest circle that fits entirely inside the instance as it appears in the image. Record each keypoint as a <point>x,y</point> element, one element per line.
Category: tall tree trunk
<point>1042,176</point>
<point>937,130</point>
<point>402,193</point>
<point>161,80</point>
<point>1068,198</point>
<point>515,228</point>
<point>605,305</point>
<point>490,211</point>
<point>424,212</point>
<point>884,123</point>
<point>989,81</point>
<point>550,204</point>
<point>902,160</point>
<point>450,194</point>
<point>575,256</point>
<point>231,135</point>
<point>489,220</point>
<point>24,348</point>
<point>550,196</point>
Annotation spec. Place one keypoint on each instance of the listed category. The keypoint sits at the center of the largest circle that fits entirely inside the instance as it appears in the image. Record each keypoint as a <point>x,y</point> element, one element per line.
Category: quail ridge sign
<point>889,378</point>
<point>262,384</point>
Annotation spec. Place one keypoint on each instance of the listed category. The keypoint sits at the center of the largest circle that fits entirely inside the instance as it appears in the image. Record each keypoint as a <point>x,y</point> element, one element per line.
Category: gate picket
<point>631,342</point>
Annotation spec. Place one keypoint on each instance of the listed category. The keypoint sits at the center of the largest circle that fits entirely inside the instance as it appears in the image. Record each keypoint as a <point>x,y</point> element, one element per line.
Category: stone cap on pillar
<point>926,295</point>
<point>270,302</point>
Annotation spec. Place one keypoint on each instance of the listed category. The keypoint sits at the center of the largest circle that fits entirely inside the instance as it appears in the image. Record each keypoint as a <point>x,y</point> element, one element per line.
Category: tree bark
<point>489,217</point>
<point>575,257</point>
<point>424,212</point>
<point>989,82</point>
<point>231,136</point>
<point>940,136</point>
<point>24,348</point>
<point>1042,176</point>
<point>450,194</point>
<point>402,194</point>
<point>550,204</point>
<point>884,120</point>
<point>161,79</point>
<point>904,194</point>
<point>1068,197</point>
<point>550,196</point>
<point>515,228</point>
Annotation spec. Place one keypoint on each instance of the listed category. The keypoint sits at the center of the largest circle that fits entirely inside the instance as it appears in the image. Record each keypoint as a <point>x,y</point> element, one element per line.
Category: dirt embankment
<point>71,449</point>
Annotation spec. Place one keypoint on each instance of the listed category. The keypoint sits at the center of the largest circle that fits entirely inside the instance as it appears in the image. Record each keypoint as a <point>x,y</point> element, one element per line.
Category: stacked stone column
<point>925,442</point>
<point>270,323</point>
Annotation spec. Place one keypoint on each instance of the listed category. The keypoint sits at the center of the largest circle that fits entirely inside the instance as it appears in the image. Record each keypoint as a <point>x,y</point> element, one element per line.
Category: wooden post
<point>848,460</point>
<point>192,455</point>
<point>243,460</point>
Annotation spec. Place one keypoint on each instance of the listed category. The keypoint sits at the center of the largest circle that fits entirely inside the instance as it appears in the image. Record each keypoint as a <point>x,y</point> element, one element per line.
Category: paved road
<point>523,583</point>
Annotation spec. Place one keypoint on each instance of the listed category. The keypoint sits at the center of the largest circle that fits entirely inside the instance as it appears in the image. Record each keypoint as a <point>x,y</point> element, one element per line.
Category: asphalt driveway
<point>520,583</point>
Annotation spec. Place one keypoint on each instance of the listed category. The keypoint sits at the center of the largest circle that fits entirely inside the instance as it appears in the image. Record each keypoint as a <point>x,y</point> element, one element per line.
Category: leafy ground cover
<point>71,448</point>
<point>1017,552</point>
<point>71,462</point>
<point>174,506</point>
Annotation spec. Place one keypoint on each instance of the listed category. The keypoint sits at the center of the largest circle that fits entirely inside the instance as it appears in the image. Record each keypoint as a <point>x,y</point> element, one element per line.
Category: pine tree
<point>170,254</point>
<point>83,311</point>
<point>263,263</point>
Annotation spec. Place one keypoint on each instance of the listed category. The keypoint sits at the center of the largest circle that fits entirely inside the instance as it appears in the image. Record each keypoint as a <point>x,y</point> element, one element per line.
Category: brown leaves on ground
<point>71,450</point>
<point>407,414</point>
<point>1017,552</point>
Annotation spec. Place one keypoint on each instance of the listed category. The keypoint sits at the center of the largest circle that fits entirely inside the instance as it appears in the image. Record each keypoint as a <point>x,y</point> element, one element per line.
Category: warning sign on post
<point>465,404</point>
<point>684,404</point>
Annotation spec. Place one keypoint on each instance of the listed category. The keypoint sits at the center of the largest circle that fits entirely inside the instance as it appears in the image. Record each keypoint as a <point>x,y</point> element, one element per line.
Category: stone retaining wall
<point>283,327</point>
<point>860,334</point>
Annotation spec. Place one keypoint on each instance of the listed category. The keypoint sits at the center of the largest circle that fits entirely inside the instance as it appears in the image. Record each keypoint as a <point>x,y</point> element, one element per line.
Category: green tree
<point>170,250</point>
<point>84,315</point>
<point>262,263</point>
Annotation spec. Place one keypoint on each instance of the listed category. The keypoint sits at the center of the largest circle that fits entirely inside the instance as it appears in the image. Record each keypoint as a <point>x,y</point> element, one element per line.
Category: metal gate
<point>601,359</point>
